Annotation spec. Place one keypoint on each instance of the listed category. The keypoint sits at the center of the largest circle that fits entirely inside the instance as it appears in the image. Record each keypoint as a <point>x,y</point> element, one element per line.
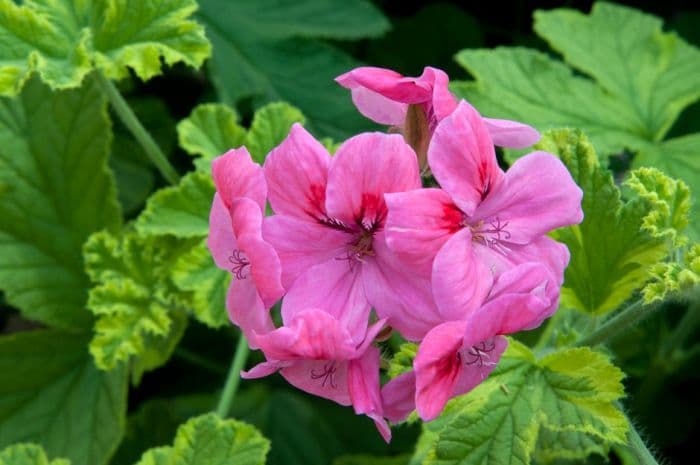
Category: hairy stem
<point>233,378</point>
<point>142,136</point>
<point>626,318</point>
<point>640,450</point>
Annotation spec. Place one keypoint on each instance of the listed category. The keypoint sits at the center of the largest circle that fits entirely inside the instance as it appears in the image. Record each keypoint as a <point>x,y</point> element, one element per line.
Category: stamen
<point>477,354</point>
<point>360,249</point>
<point>491,234</point>
<point>240,262</point>
<point>327,375</point>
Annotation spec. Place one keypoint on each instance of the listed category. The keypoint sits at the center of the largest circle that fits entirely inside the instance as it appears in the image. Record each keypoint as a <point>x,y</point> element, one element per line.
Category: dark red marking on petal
<point>316,201</point>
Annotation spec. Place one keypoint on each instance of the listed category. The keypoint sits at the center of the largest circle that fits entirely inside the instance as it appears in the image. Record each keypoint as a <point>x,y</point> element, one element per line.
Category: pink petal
<point>462,158</point>
<point>419,223</point>
<point>476,370</point>
<point>363,384</point>
<point>438,368</point>
<point>396,292</point>
<point>399,397</point>
<point>363,169</point>
<point>246,310</point>
<point>335,286</point>
<point>236,175</point>
<point>297,172</point>
<point>323,378</point>
<point>301,244</point>
<point>221,242</point>
<point>263,369</point>
<point>461,282</point>
<point>379,108</point>
<point>265,267</point>
<point>511,134</point>
<point>313,334</point>
<point>543,249</point>
<point>387,83</point>
<point>536,196</point>
<point>443,102</point>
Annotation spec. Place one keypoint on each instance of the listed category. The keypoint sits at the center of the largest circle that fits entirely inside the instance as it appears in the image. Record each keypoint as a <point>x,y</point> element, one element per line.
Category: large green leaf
<point>55,189</point>
<point>51,393</point>
<point>140,311</point>
<point>270,127</point>
<point>263,50</point>
<point>638,80</point>
<point>63,40</point>
<point>209,440</point>
<point>611,251</point>
<point>27,454</point>
<point>571,391</point>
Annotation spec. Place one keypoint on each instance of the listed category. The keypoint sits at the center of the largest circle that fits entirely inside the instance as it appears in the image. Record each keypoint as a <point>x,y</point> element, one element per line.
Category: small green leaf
<point>611,252</point>
<point>140,313</point>
<point>670,278</point>
<point>196,272</point>
<point>51,393</point>
<point>64,41</point>
<point>27,454</point>
<point>182,210</point>
<point>209,440</point>
<point>270,126</point>
<point>571,391</point>
<point>210,130</point>
<point>402,361</point>
<point>53,162</point>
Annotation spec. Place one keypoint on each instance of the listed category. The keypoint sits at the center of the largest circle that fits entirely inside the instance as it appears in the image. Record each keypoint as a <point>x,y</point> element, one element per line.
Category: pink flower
<point>481,214</point>
<point>415,106</point>
<point>329,226</point>
<point>456,356</point>
<point>236,243</point>
<point>319,354</point>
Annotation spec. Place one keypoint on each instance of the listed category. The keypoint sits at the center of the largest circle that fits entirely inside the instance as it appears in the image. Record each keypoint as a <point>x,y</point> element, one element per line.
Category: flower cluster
<point>357,247</point>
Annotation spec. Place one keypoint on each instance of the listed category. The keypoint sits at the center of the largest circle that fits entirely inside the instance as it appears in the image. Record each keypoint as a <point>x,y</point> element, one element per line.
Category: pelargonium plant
<point>358,247</point>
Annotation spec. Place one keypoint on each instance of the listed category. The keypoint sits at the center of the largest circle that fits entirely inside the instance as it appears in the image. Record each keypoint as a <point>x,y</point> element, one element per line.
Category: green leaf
<point>670,278</point>
<point>182,210</point>
<point>27,454</point>
<point>270,127</point>
<point>371,460</point>
<point>51,393</point>
<point>209,440</point>
<point>611,252</point>
<point>140,312</point>
<point>64,40</point>
<point>649,77</point>
<point>402,361</point>
<point>567,445</point>
<point>196,272</point>
<point>571,391</point>
<point>669,203</point>
<point>262,50</point>
<point>56,191</point>
<point>210,130</point>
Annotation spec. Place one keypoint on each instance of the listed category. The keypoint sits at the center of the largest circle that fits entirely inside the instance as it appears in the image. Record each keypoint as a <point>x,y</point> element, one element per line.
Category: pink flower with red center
<point>236,243</point>
<point>480,214</point>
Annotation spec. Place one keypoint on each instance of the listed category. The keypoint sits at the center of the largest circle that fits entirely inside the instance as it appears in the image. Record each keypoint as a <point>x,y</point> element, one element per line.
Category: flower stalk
<point>142,136</point>
<point>233,378</point>
<point>626,318</point>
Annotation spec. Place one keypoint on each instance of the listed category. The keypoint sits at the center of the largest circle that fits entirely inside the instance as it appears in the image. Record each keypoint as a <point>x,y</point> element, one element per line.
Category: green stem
<point>626,318</point>
<point>140,133</point>
<point>683,330</point>
<point>234,377</point>
<point>640,450</point>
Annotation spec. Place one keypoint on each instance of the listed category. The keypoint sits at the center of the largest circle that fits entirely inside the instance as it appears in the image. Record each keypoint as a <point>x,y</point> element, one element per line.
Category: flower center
<point>492,234</point>
<point>326,375</point>
<point>240,264</point>
<point>478,354</point>
<point>363,246</point>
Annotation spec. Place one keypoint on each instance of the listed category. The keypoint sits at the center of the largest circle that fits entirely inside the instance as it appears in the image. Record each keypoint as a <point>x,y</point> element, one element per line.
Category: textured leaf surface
<point>55,189</point>
<point>182,210</point>
<point>611,252</point>
<point>64,40</point>
<point>139,310</point>
<point>27,454</point>
<point>52,394</point>
<point>270,127</point>
<point>209,440</point>
<point>263,50</point>
<point>669,278</point>
<point>196,272</point>
<point>210,130</point>
<point>571,391</point>
<point>402,361</point>
<point>630,103</point>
